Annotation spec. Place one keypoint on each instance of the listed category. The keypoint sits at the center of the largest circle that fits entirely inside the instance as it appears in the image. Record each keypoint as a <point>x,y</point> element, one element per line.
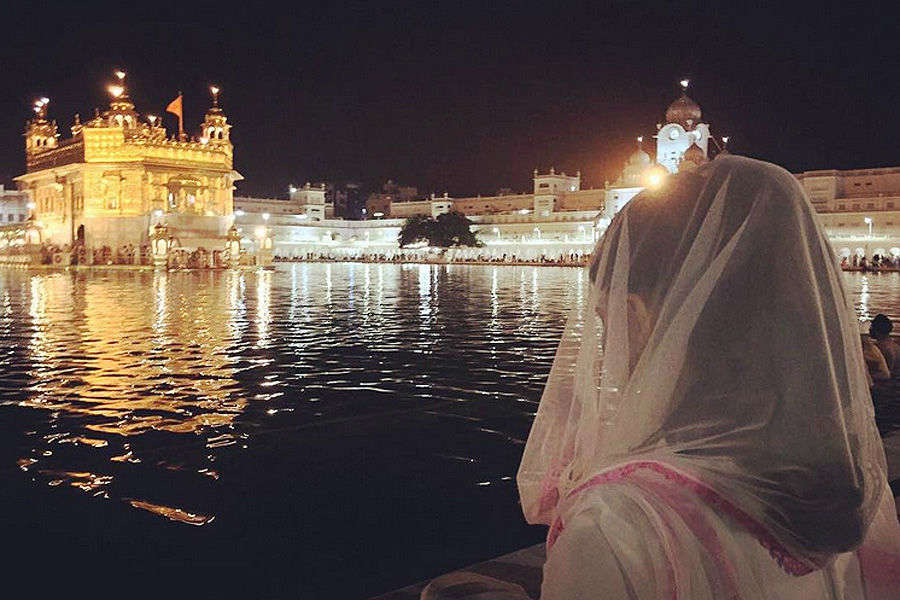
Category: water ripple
<point>221,398</point>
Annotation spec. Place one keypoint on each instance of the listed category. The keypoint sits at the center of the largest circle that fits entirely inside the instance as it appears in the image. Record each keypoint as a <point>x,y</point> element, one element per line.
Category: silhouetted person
<point>880,331</point>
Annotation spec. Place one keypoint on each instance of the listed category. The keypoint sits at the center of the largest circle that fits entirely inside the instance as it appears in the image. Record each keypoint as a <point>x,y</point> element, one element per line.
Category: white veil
<point>719,343</point>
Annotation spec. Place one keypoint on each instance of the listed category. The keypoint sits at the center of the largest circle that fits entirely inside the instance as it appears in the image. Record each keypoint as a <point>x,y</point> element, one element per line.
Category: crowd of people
<point>468,256</point>
<point>878,262</point>
<point>570,258</point>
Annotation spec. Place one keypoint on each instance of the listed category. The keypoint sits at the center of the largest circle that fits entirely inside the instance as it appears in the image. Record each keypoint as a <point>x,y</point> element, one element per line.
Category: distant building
<point>14,206</point>
<point>859,208</point>
<point>312,202</point>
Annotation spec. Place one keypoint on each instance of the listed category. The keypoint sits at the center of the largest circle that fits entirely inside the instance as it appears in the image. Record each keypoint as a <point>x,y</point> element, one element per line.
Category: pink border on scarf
<point>788,563</point>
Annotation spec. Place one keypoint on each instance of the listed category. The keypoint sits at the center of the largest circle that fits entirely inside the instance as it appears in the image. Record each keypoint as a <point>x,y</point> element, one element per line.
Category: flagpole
<point>181,118</point>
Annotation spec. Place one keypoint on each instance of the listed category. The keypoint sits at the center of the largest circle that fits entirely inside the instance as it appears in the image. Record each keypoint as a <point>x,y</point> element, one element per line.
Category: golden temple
<point>119,176</point>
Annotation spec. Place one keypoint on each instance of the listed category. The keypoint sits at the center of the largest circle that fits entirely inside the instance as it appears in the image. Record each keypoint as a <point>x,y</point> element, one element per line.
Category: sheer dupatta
<point>718,347</point>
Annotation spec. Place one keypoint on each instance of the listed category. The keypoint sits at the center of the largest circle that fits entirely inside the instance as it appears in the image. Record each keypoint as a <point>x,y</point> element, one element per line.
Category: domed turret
<point>639,157</point>
<point>693,158</point>
<point>215,127</point>
<point>635,167</point>
<point>40,133</point>
<point>121,111</point>
<point>684,111</point>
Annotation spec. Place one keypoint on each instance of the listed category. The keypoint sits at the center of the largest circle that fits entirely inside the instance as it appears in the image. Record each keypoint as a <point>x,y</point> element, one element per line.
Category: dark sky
<point>469,97</point>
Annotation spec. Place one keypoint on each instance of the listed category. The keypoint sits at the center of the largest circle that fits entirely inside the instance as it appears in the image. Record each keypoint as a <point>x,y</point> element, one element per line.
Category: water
<point>874,293</point>
<point>324,430</point>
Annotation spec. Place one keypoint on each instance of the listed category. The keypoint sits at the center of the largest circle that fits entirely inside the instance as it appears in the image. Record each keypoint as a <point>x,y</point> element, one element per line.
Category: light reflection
<point>495,300</point>
<point>295,292</point>
<point>328,284</point>
<point>263,307</point>
<point>160,283</point>
<point>173,514</point>
<point>864,300</point>
<point>157,363</point>
<point>367,293</point>
<point>424,291</point>
<point>380,287</point>
<point>351,283</point>
<point>494,324</point>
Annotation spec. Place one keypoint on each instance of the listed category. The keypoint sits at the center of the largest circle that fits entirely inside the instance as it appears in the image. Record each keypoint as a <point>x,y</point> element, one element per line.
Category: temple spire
<point>121,111</point>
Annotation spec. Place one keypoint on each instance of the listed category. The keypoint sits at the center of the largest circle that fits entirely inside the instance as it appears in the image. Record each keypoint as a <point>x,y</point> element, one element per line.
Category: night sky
<point>468,98</point>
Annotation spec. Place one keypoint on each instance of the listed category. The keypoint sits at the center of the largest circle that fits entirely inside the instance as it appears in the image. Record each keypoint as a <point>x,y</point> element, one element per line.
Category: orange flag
<point>174,107</point>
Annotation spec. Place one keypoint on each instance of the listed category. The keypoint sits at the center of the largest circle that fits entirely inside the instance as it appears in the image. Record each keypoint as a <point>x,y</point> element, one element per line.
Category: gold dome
<point>683,111</point>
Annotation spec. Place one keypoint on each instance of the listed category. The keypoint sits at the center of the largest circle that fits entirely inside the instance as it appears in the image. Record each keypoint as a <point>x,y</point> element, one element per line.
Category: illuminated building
<point>13,206</point>
<point>119,175</point>
<point>859,209</point>
<point>556,216</point>
<point>683,135</point>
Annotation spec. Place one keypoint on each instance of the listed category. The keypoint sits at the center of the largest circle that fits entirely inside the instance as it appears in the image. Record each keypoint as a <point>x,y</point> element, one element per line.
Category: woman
<point>706,430</point>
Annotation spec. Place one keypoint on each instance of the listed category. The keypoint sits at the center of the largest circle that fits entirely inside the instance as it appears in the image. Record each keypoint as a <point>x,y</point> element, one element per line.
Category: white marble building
<point>15,206</point>
<point>860,209</point>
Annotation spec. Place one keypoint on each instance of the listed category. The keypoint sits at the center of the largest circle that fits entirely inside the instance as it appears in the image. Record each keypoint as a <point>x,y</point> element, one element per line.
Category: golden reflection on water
<point>141,377</point>
<point>171,513</point>
<point>161,365</point>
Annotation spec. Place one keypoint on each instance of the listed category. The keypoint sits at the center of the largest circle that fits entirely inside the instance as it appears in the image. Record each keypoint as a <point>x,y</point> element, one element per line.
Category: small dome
<point>694,154</point>
<point>639,158</point>
<point>683,111</point>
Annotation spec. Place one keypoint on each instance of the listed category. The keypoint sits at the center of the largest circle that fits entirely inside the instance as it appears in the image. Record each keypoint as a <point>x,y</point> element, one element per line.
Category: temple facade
<point>120,175</point>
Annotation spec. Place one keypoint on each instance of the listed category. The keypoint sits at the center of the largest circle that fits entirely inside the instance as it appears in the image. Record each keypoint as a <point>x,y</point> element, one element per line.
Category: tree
<point>449,229</point>
<point>453,229</point>
<point>414,230</point>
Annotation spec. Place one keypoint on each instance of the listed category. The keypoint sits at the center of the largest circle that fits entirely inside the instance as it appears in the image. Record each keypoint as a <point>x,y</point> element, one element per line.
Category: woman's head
<point>721,341</point>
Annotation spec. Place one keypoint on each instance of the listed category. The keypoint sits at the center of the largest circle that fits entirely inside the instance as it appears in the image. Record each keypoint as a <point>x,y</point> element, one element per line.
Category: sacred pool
<point>320,430</point>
